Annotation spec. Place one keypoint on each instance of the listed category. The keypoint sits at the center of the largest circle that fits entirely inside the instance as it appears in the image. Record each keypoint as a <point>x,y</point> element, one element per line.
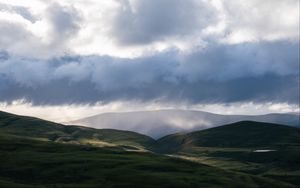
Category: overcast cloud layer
<point>197,52</point>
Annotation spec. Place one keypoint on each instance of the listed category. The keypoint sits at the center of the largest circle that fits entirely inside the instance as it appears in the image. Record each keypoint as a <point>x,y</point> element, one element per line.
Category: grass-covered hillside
<point>41,129</point>
<point>241,134</point>
<point>38,153</point>
<point>32,163</point>
<point>267,150</point>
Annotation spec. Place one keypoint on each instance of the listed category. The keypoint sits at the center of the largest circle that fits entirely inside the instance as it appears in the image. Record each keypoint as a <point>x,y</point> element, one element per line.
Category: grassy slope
<point>241,134</point>
<point>231,147</point>
<point>34,127</point>
<point>33,163</point>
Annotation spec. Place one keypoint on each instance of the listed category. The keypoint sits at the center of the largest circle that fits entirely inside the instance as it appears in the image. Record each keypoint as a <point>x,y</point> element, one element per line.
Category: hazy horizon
<point>69,114</point>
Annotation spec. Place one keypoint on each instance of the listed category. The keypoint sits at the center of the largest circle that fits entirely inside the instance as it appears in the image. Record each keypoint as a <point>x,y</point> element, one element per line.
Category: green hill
<point>241,134</point>
<point>46,130</point>
<point>264,149</point>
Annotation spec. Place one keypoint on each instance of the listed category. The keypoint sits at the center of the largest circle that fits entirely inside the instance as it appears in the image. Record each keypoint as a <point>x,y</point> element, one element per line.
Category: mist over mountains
<point>163,122</point>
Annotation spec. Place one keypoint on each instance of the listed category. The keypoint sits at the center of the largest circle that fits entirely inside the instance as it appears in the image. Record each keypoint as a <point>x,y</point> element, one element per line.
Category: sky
<point>63,60</point>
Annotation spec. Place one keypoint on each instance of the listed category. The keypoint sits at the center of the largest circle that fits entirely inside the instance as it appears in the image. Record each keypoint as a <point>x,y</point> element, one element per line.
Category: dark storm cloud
<point>3,55</point>
<point>147,21</point>
<point>223,62</point>
<point>260,72</point>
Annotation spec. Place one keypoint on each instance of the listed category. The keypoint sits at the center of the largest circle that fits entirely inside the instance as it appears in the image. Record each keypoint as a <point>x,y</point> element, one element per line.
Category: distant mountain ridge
<point>163,122</point>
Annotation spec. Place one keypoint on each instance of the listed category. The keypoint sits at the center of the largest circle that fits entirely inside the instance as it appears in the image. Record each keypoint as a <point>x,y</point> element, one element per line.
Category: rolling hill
<point>46,130</point>
<point>264,149</point>
<point>247,134</point>
<point>163,122</point>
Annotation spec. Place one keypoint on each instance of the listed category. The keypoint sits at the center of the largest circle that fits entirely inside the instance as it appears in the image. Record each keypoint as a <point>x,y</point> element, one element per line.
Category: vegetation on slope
<point>34,163</point>
<point>38,128</point>
<point>241,134</point>
<point>267,150</point>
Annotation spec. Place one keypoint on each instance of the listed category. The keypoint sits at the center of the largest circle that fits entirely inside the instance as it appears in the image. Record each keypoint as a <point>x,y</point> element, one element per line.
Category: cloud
<point>261,20</point>
<point>143,22</point>
<point>196,52</point>
<point>260,72</point>
<point>64,23</point>
<point>14,38</point>
<point>21,10</point>
<point>225,62</point>
<point>131,28</point>
<point>42,35</point>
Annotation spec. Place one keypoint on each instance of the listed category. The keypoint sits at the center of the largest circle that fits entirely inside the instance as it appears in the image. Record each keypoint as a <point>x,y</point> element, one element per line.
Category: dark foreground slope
<point>50,131</point>
<point>31,163</point>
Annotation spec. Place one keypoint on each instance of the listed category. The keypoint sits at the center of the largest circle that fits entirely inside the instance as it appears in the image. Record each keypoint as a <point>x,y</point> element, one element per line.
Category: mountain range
<point>163,122</point>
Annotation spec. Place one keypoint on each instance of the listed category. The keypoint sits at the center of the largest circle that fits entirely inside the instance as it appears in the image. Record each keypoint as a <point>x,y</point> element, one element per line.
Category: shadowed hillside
<point>240,134</point>
<point>268,150</point>
<point>46,130</point>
